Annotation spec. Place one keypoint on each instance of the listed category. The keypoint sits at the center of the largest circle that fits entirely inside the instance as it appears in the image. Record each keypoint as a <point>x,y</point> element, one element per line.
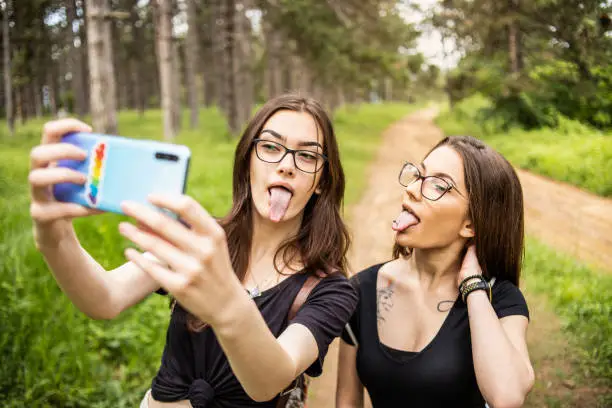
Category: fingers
<point>191,212</point>
<point>168,280</point>
<point>159,224</point>
<point>162,249</point>
<point>43,213</point>
<point>42,155</point>
<point>54,130</point>
<point>46,177</point>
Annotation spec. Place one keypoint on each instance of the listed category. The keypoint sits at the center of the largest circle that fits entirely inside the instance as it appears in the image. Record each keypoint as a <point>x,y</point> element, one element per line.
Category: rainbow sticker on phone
<point>95,176</point>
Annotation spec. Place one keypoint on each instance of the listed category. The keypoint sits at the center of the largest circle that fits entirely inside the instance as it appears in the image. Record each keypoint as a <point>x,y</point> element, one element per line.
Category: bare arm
<point>501,361</point>
<point>264,365</point>
<point>97,293</point>
<point>94,291</point>
<point>350,390</point>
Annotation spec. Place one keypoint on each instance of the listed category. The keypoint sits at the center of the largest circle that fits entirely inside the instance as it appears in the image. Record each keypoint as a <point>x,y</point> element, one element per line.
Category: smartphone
<point>120,168</point>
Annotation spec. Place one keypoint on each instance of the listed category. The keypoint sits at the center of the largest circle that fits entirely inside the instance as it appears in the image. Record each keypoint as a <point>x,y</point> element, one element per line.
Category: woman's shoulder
<point>368,276</point>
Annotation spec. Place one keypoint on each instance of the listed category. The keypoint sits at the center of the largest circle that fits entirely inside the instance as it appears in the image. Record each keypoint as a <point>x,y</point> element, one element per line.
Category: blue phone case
<point>119,169</point>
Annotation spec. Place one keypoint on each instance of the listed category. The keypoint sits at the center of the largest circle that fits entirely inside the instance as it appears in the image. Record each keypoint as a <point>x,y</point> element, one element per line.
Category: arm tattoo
<point>384,302</point>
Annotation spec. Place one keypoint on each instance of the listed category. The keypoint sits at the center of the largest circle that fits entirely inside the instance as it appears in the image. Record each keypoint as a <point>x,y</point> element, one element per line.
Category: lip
<point>281,184</point>
<point>407,208</point>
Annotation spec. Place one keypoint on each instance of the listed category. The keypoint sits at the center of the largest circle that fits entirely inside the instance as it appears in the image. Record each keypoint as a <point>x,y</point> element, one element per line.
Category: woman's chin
<point>403,238</point>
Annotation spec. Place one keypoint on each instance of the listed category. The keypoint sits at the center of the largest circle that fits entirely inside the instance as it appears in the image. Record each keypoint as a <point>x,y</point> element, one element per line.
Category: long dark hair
<point>322,241</point>
<point>495,208</point>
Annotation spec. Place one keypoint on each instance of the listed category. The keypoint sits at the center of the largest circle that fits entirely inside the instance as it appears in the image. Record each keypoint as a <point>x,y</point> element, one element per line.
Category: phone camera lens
<point>166,156</point>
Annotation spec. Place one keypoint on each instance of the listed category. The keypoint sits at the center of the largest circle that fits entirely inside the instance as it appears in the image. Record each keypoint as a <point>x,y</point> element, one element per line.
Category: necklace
<point>256,291</point>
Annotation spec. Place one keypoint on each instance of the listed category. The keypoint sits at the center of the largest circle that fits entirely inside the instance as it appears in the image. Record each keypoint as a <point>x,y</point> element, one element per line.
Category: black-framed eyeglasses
<point>274,152</point>
<point>432,187</point>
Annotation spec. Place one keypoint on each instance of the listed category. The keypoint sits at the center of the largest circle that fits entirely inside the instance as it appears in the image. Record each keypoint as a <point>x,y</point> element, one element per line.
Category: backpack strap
<point>309,284</point>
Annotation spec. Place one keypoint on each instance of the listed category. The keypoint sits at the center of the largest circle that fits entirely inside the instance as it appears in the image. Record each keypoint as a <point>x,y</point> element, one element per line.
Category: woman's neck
<point>436,267</point>
<point>268,237</point>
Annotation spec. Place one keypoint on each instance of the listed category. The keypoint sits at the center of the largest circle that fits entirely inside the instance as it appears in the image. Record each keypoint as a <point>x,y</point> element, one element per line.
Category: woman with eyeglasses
<point>259,295</point>
<point>443,323</point>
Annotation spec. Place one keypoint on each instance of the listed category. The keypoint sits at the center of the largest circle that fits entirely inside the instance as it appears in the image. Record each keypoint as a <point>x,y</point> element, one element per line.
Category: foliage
<point>582,297</point>
<point>556,62</point>
<point>52,355</point>
<point>348,42</point>
<point>570,152</point>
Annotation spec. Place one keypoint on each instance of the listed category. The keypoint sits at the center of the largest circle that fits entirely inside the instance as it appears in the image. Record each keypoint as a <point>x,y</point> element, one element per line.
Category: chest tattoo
<point>384,302</point>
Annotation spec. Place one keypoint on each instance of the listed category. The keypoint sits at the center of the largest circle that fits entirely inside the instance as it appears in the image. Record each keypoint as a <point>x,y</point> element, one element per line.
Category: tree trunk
<point>514,44</point>
<point>102,78</point>
<point>388,89</point>
<point>36,96</point>
<point>8,89</point>
<point>220,63</point>
<point>191,62</point>
<point>163,25</point>
<point>229,85</point>
<point>274,64</point>
<point>136,61</point>
<point>138,101</point>
<point>177,94</point>
<point>20,111</point>
<point>51,88</point>
<point>244,72</point>
<point>76,62</point>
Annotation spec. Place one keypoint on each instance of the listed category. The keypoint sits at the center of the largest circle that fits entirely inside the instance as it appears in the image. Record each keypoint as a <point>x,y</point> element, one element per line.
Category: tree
<point>8,89</point>
<point>75,45</point>
<point>191,61</point>
<point>163,23</point>
<point>102,77</point>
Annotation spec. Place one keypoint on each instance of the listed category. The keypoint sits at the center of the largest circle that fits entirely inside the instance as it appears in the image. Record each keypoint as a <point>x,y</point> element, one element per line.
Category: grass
<point>572,153</point>
<point>582,298</point>
<point>52,355</point>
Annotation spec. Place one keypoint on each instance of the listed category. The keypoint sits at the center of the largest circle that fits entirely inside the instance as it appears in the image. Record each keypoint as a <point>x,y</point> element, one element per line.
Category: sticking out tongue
<point>279,202</point>
<point>403,221</point>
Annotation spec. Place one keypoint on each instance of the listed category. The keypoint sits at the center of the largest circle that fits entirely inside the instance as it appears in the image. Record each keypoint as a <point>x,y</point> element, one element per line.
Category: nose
<point>414,189</point>
<point>287,165</point>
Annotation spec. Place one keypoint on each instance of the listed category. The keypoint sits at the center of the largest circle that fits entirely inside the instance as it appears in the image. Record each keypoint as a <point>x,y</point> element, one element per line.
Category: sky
<point>430,44</point>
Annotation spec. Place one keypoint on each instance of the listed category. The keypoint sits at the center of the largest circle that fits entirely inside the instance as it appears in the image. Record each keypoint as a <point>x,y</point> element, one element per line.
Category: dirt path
<point>559,215</point>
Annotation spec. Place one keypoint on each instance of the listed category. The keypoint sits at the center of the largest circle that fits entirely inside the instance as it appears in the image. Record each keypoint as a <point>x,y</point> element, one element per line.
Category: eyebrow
<point>284,139</point>
<point>439,174</point>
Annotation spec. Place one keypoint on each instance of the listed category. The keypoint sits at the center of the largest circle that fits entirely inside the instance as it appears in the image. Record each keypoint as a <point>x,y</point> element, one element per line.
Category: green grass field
<point>582,298</point>
<point>52,355</point>
<point>573,152</point>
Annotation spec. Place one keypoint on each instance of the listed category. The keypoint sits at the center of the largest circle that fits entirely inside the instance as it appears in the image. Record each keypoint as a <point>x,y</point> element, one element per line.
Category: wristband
<point>480,285</point>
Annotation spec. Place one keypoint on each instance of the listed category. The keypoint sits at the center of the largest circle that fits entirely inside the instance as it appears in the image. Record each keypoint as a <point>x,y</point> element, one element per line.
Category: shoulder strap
<point>311,282</point>
<point>300,382</point>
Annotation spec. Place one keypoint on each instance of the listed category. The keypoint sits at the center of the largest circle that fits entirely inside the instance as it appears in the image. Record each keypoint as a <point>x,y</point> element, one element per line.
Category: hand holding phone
<point>52,219</point>
<point>118,169</point>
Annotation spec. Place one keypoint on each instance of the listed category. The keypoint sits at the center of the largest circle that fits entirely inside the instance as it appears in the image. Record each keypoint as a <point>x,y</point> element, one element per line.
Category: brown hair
<point>495,208</point>
<point>322,240</point>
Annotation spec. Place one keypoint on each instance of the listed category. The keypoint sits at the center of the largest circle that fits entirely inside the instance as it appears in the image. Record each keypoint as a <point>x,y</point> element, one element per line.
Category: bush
<point>572,152</point>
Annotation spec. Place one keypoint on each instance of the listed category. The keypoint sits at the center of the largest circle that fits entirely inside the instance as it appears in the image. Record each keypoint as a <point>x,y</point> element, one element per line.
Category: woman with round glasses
<point>258,295</point>
<point>443,324</point>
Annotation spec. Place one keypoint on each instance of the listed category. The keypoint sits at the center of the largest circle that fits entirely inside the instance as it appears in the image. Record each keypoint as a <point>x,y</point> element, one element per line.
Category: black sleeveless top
<point>194,366</point>
<point>440,375</point>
